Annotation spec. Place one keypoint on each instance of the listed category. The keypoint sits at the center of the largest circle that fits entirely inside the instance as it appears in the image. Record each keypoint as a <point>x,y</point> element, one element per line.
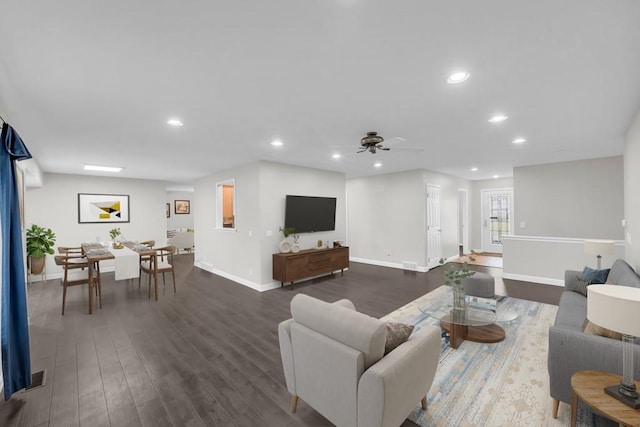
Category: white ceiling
<point>94,82</point>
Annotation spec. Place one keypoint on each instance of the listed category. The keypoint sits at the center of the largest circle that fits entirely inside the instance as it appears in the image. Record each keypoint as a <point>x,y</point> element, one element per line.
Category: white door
<point>463,219</point>
<point>497,218</point>
<point>434,242</point>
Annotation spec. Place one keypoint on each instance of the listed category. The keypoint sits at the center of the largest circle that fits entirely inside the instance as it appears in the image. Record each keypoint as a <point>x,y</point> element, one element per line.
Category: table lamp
<point>599,248</point>
<point>617,307</point>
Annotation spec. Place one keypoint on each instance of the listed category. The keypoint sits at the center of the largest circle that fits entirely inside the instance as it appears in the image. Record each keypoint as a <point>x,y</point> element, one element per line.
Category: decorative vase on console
<point>287,245</point>
<point>453,275</point>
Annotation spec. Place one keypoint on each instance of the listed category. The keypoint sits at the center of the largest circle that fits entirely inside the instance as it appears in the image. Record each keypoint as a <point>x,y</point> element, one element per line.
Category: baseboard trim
<point>398,265</point>
<point>244,282</point>
<point>534,279</point>
<point>58,275</point>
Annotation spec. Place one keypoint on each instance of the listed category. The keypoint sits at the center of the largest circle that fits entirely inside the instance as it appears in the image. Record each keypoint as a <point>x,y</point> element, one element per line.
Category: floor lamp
<point>599,248</point>
<point>617,307</point>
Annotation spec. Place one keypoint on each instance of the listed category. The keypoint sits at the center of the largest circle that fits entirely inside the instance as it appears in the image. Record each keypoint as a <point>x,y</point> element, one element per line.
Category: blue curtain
<point>14,336</point>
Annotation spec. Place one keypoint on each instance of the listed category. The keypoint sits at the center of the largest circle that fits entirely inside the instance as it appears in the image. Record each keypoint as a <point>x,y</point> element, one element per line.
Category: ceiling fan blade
<point>379,147</point>
<point>345,146</point>
<point>408,149</point>
<point>362,150</point>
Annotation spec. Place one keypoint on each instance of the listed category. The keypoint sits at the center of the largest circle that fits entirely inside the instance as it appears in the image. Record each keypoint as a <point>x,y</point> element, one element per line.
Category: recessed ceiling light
<point>474,169</point>
<point>519,141</point>
<point>174,122</point>
<point>336,156</point>
<point>458,77</point>
<point>498,118</point>
<point>496,176</point>
<point>377,165</point>
<point>277,143</point>
<point>102,168</point>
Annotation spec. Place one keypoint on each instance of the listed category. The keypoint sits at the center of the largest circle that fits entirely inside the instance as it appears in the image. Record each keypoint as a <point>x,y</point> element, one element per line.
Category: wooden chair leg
<point>149,274</point>
<point>294,403</point>
<point>64,297</point>
<point>173,274</point>
<point>556,403</point>
<point>423,402</point>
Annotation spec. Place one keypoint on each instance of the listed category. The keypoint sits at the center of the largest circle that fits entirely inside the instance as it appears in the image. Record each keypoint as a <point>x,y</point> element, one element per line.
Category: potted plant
<point>454,273</point>
<point>40,242</point>
<point>114,233</point>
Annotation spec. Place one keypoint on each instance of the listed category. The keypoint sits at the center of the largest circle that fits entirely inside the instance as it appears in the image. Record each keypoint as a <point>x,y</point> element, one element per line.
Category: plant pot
<point>36,265</point>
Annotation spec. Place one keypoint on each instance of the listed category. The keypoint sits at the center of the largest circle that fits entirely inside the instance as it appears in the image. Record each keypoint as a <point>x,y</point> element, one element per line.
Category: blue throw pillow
<point>595,276</point>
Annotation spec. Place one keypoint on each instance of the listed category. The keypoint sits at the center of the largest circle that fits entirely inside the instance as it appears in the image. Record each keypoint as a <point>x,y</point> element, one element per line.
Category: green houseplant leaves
<point>40,241</point>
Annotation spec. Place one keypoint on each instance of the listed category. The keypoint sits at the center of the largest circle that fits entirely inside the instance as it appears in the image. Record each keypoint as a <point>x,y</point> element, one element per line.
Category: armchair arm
<point>391,388</point>
<point>571,351</point>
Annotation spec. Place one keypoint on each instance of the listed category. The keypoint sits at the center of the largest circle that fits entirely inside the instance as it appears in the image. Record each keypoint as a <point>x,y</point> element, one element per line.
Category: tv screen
<point>308,214</point>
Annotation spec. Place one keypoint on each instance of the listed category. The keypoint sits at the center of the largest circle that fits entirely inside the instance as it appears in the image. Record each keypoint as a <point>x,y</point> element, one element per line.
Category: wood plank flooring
<point>205,356</point>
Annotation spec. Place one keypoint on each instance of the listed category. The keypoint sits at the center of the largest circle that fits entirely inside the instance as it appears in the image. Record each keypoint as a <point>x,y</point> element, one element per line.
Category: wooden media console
<point>289,267</point>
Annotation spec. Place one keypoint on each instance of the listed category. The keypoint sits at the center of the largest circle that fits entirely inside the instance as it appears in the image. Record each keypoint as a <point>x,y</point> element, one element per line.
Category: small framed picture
<point>168,210</point>
<point>182,207</point>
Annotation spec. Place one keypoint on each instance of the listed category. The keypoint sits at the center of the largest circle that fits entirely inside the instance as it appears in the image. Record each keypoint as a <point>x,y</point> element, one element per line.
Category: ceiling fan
<point>373,142</point>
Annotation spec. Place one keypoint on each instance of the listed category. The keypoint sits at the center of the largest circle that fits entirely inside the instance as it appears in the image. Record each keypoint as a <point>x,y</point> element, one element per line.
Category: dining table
<point>96,252</point>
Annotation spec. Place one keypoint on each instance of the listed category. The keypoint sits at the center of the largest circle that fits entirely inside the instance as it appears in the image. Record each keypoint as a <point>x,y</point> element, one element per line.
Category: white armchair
<point>333,359</point>
<point>182,240</point>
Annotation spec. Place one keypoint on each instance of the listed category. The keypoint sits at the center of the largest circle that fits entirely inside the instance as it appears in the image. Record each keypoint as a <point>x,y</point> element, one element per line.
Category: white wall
<point>475,203</point>
<point>631,192</point>
<point>581,199</point>
<point>179,220</point>
<point>386,217</point>
<point>245,254</point>
<point>55,206</point>
<point>278,180</point>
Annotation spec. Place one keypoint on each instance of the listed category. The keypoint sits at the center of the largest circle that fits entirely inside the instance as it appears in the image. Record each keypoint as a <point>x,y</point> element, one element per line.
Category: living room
<point>571,180</point>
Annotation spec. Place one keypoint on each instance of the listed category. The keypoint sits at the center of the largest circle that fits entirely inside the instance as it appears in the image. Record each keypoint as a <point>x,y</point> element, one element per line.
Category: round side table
<point>588,386</point>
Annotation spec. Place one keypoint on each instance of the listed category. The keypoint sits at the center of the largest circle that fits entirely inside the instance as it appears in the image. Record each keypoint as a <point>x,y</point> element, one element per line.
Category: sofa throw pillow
<point>594,276</point>
<point>593,329</point>
<point>580,286</point>
<point>397,333</point>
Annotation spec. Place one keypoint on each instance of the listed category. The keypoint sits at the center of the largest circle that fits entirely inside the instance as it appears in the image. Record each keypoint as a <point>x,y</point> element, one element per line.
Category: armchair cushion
<point>356,330</point>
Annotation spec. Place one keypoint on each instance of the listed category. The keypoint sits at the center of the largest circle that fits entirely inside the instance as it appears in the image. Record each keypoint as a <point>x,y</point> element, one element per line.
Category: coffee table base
<point>483,334</point>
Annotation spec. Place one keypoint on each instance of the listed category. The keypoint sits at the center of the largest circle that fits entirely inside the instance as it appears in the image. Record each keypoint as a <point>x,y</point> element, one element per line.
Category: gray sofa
<point>571,350</point>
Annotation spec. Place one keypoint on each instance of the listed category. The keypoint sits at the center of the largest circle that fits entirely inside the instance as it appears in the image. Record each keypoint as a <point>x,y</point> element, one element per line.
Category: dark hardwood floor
<point>207,355</point>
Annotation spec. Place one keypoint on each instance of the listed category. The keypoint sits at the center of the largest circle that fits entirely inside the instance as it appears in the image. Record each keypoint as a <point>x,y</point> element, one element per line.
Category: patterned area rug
<point>502,384</point>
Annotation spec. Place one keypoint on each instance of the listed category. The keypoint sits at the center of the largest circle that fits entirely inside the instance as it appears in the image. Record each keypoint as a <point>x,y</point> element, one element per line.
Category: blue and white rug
<point>501,384</point>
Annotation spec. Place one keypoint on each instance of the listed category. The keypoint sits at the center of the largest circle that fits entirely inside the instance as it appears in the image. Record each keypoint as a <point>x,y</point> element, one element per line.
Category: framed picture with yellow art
<point>182,206</point>
<point>98,208</point>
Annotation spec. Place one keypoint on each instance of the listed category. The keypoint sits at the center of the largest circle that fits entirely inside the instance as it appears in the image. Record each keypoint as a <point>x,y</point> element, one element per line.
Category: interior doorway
<point>434,229</point>
<point>497,218</point>
<point>463,220</point>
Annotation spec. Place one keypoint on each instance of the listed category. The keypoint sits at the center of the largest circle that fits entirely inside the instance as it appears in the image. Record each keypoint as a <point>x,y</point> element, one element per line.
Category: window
<point>226,204</point>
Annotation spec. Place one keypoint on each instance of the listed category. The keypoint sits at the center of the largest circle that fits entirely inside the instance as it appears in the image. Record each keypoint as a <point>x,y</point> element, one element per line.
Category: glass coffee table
<point>474,323</point>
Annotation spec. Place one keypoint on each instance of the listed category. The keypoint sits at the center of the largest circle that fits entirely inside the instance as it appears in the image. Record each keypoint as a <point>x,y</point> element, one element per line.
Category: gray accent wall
<point>632,192</point>
<point>579,199</point>
<point>180,220</point>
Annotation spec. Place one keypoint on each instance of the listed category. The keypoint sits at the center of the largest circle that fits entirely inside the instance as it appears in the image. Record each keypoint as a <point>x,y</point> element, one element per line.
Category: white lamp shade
<point>599,247</point>
<point>614,307</point>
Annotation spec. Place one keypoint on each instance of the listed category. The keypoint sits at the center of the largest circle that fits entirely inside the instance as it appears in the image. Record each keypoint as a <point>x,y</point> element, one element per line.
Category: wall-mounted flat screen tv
<point>309,214</point>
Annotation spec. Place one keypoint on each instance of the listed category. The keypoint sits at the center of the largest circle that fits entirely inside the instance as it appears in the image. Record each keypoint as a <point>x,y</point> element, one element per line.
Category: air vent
<point>410,265</point>
<point>37,380</point>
